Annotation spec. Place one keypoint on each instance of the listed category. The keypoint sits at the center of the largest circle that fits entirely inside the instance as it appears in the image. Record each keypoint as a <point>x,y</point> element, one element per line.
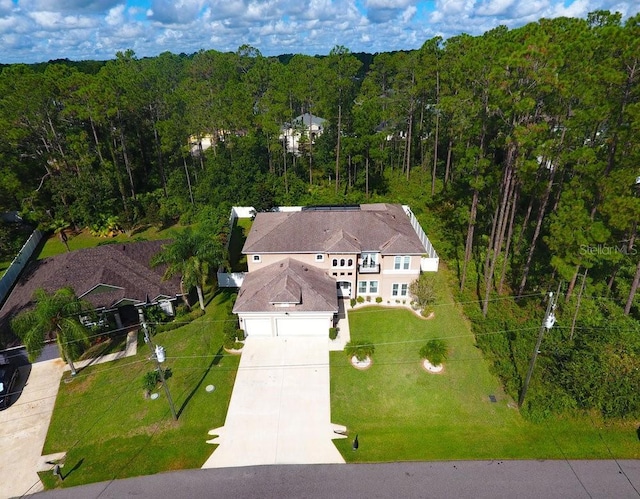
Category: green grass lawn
<point>109,430</point>
<point>401,412</point>
<point>84,239</point>
<point>239,232</point>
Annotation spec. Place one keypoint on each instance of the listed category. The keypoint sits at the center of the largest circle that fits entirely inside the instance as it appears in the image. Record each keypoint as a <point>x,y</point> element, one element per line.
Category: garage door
<point>257,327</point>
<point>294,326</point>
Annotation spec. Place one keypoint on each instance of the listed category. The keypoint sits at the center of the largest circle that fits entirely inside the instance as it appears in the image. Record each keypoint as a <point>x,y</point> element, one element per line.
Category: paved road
<point>469,479</point>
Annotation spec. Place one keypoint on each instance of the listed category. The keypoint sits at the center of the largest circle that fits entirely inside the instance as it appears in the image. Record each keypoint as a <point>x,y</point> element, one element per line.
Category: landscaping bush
<point>353,302</point>
<point>179,321</point>
<point>360,299</point>
<point>378,299</point>
<point>359,349</point>
<point>435,351</point>
<point>151,379</point>
<point>333,333</point>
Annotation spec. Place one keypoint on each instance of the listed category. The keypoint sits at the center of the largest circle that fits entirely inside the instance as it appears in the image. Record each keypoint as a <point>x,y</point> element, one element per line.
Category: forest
<point>519,150</point>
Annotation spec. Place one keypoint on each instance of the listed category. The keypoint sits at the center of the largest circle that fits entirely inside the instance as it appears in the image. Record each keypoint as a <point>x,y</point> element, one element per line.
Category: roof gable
<point>287,282</point>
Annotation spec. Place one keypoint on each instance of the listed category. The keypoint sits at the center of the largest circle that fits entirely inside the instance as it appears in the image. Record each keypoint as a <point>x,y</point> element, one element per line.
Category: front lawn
<point>401,412</point>
<point>109,430</point>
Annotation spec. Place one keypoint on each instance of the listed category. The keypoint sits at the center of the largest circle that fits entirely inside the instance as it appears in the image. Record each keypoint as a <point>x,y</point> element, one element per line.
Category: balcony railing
<point>369,268</point>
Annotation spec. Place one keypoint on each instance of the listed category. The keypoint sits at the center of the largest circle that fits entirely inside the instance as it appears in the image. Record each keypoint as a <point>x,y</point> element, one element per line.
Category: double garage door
<point>287,326</point>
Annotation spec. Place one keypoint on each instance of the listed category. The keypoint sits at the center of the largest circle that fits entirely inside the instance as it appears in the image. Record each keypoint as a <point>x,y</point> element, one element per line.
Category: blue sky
<point>41,30</point>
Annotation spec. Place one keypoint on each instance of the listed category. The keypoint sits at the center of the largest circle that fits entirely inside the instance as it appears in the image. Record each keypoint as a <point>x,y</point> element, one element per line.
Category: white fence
<point>19,262</point>
<point>430,262</point>
<point>230,279</point>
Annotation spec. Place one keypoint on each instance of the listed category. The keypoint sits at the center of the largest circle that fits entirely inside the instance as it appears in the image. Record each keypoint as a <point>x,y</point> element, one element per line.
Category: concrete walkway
<point>131,348</point>
<point>344,334</point>
<point>279,411</point>
<point>24,426</point>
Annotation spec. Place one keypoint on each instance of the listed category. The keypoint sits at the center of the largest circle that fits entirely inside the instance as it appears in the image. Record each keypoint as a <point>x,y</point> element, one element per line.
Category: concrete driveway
<point>280,411</point>
<point>24,425</point>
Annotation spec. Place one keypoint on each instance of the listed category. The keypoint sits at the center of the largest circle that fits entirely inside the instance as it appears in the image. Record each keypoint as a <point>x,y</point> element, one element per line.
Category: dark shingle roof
<point>287,281</point>
<point>381,228</point>
<point>104,276</point>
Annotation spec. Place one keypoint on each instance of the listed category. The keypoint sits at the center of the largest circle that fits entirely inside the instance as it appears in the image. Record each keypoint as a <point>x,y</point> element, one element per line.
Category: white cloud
<point>175,12</point>
<point>494,7</point>
<point>78,6</point>
<point>36,30</point>
<point>115,17</point>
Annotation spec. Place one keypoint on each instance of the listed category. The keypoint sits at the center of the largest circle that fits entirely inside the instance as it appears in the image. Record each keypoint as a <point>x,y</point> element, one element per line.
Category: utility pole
<point>547,323</point>
<point>575,315</point>
<point>158,355</point>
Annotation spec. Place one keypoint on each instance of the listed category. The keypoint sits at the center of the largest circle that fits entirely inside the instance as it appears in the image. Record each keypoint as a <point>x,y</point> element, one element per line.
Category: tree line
<point>520,147</point>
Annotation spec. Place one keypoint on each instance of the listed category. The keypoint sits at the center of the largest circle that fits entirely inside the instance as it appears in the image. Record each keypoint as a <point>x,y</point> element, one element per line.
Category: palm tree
<point>191,254</point>
<point>54,314</point>
<point>435,351</point>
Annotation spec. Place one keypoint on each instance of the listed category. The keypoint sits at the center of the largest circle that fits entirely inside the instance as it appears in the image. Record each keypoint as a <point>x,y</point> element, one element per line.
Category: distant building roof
<point>303,287</point>
<point>383,228</point>
<point>309,119</point>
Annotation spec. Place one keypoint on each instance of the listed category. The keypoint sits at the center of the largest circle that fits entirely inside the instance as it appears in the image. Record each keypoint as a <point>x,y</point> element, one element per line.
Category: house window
<point>369,260</point>
<point>401,262</point>
<point>342,262</point>
<point>319,258</point>
<point>367,287</point>
<point>257,259</point>
<point>399,289</point>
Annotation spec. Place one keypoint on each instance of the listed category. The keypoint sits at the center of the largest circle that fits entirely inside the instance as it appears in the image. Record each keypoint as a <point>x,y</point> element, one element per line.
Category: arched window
<point>350,262</point>
<point>342,262</point>
<point>334,263</point>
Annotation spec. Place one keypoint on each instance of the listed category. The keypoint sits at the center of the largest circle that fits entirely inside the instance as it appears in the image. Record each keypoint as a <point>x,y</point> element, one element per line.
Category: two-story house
<point>301,262</point>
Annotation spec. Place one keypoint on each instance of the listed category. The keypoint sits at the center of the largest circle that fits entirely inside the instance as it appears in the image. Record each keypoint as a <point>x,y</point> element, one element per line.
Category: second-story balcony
<point>369,268</point>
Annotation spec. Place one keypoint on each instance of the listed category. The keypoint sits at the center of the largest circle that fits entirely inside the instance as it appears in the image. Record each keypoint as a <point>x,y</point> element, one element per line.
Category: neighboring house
<point>306,125</point>
<point>115,278</point>
<point>200,143</point>
<point>301,262</point>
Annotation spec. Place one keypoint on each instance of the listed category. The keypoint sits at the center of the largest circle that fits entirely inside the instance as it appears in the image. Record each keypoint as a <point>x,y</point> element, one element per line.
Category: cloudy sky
<point>41,30</point>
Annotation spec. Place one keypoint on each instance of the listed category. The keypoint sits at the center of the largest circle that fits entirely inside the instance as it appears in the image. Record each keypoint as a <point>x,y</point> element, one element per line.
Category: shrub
<point>359,349</point>
<point>378,299</point>
<point>360,299</point>
<point>435,351</point>
<point>333,333</point>
<point>423,289</point>
<point>232,343</point>
<point>353,302</point>
<point>179,321</point>
<point>151,379</point>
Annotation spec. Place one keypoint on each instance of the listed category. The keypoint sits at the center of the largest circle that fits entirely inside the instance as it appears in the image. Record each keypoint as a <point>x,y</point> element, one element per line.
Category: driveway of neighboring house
<point>280,411</point>
<point>24,425</point>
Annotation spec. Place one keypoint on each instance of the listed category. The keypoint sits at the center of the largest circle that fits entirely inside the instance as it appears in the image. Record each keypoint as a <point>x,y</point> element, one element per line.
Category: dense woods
<point>519,149</point>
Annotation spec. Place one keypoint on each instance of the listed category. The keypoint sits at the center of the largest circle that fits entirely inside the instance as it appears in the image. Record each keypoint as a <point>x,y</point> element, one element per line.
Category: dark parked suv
<point>8,377</point>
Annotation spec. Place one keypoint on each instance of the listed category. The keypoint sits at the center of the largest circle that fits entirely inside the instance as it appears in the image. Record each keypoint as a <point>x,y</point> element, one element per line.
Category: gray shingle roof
<point>287,281</point>
<point>123,268</point>
<point>381,228</point>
